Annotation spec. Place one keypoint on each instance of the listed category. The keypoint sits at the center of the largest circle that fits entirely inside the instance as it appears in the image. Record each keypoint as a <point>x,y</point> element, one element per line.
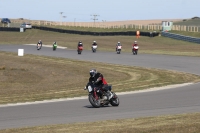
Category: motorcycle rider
<point>135,43</point>
<point>54,43</point>
<point>79,44</point>
<point>94,43</point>
<point>40,42</point>
<point>135,47</point>
<point>97,79</point>
<point>118,44</point>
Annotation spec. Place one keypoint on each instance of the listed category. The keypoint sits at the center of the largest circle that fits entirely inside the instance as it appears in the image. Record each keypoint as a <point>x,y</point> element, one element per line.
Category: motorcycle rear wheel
<point>115,100</point>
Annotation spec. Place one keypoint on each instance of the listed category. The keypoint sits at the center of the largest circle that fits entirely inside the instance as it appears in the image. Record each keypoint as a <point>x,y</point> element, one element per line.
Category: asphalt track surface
<point>178,100</point>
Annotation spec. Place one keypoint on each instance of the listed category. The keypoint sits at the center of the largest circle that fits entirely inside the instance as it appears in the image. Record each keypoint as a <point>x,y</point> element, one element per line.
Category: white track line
<point>50,46</point>
<point>85,97</point>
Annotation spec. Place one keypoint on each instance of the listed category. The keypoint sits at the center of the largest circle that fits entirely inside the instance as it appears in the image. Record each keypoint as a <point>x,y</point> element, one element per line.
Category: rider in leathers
<point>94,43</point>
<point>40,42</point>
<point>80,44</point>
<point>97,79</point>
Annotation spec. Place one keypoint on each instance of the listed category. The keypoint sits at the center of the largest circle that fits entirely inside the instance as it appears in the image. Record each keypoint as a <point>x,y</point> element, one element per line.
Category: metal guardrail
<point>181,37</point>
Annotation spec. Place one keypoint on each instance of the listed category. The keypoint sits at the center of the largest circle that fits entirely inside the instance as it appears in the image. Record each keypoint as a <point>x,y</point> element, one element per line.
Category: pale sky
<point>108,10</point>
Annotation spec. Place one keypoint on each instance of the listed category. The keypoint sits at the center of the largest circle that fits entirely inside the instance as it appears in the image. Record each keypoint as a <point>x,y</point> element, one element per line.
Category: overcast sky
<point>108,10</point>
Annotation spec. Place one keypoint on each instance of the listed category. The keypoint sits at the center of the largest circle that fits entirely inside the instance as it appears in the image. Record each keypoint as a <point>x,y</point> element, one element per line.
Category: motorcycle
<point>54,47</point>
<point>98,97</point>
<point>94,48</point>
<point>39,46</point>
<point>119,49</point>
<point>135,50</point>
<point>80,49</point>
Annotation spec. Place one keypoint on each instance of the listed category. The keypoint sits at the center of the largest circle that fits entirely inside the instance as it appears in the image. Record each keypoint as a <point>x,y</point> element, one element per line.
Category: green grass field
<point>156,45</point>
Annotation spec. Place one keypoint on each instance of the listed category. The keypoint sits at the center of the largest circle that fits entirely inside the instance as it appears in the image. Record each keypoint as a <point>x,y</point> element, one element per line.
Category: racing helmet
<point>93,72</point>
<point>94,41</point>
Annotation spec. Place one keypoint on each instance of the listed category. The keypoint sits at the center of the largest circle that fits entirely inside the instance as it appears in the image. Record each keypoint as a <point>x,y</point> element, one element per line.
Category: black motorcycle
<point>39,46</point>
<point>98,97</point>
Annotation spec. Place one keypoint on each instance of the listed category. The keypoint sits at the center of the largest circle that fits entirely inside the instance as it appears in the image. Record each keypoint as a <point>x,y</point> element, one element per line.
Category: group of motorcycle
<point>135,48</point>
<point>98,97</point>
<point>80,47</point>
<point>94,48</point>
<point>39,46</point>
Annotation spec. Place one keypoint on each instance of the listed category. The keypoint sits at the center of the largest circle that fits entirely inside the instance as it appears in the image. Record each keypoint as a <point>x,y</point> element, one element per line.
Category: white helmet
<point>118,42</point>
<point>94,41</point>
<point>93,72</point>
<point>135,41</point>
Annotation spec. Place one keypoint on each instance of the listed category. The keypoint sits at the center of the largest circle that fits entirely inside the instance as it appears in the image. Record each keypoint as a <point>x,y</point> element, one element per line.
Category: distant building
<point>167,25</point>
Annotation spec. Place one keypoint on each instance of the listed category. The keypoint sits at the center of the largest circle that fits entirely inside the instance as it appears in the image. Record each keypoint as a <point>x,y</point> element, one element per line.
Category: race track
<point>170,101</point>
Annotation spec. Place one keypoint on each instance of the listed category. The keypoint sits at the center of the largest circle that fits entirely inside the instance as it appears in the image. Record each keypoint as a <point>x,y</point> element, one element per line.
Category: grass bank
<point>34,78</point>
<point>156,45</point>
<point>183,123</point>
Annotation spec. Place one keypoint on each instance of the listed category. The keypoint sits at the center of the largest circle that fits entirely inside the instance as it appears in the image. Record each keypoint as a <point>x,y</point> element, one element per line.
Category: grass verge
<point>156,45</point>
<point>183,123</point>
<point>185,33</point>
<point>34,78</point>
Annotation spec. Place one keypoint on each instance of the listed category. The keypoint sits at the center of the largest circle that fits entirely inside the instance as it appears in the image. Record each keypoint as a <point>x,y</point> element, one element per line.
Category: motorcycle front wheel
<point>95,103</point>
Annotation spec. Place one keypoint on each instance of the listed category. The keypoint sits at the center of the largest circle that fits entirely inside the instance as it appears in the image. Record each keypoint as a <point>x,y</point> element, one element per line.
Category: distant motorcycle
<point>135,50</point>
<point>119,49</point>
<point>94,48</point>
<point>39,46</point>
<point>80,49</point>
<point>96,100</point>
<point>54,47</point>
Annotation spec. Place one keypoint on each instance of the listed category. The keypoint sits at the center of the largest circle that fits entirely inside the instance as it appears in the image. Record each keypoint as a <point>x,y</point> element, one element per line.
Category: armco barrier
<point>128,33</point>
<point>181,37</point>
<point>9,29</point>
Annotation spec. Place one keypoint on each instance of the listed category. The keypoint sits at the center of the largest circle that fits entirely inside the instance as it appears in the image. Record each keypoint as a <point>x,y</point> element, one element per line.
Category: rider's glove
<point>85,88</point>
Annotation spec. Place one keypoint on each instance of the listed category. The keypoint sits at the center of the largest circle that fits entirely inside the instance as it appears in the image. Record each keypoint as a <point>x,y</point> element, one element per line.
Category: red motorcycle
<point>98,97</point>
<point>135,49</point>
<point>80,49</point>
